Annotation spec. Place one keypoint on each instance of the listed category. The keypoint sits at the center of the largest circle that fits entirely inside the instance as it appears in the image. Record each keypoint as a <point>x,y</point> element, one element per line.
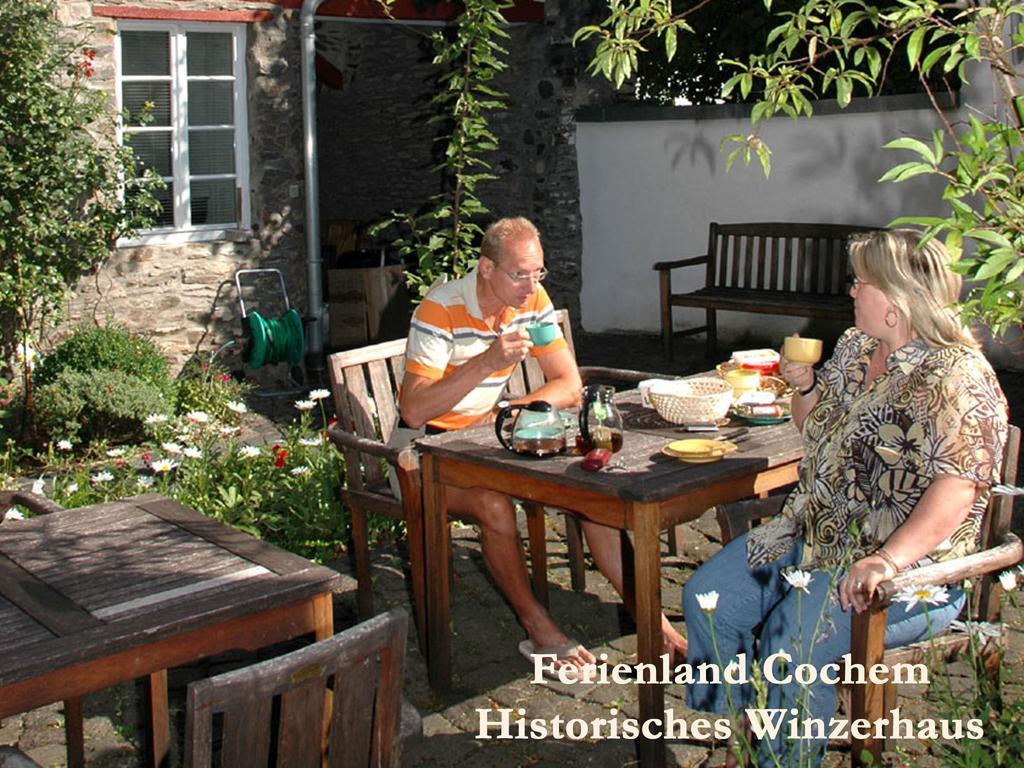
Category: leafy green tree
<point>62,205</point>
<point>839,48</point>
<point>444,238</point>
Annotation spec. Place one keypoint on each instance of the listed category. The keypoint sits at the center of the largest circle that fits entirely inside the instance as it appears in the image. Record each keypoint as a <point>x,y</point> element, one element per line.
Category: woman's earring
<point>892,317</point>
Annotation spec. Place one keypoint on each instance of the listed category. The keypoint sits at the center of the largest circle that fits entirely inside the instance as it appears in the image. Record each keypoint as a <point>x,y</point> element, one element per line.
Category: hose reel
<point>271,340</point>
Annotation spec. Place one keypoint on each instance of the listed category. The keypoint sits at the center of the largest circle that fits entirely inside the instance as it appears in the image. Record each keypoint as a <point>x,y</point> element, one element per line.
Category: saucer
<point>698,450</point>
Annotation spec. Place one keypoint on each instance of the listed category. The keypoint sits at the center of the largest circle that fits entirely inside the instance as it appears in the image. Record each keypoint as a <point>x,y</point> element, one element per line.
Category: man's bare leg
<point>495,515</point>
<point>606,547</point>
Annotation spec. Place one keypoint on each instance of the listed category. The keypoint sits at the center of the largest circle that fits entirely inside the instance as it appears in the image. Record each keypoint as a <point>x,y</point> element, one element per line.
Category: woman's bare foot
<point>545,633</point>
<point>675,644</point>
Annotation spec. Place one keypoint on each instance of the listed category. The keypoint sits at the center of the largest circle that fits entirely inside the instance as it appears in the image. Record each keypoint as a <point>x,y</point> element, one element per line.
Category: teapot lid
<point>540,406</point>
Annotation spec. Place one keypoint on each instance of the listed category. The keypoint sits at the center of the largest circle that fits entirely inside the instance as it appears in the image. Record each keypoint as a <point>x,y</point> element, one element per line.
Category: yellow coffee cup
<point>798,349</point>
<point>742,380</point>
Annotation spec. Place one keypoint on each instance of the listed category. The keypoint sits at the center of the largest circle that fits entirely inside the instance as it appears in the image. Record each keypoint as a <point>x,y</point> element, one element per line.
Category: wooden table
<point>652,493</point>
<point>94,596</point>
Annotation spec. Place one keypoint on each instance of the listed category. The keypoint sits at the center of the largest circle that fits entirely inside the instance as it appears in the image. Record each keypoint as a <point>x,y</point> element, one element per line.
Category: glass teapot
<point>536,431</point>
<point>600,420</point>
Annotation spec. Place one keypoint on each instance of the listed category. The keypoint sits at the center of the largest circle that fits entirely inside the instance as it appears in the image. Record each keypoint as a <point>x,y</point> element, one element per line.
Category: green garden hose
<point>274,340</point>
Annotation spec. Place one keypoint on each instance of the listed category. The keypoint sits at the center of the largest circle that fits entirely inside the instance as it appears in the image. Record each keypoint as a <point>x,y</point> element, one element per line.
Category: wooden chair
<point>373,373</point>
<point>1000,549</point>
<point>335,703</point>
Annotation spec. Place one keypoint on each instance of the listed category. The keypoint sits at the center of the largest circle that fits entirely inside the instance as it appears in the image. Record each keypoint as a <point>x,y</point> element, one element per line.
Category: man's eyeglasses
<point>522,277</point>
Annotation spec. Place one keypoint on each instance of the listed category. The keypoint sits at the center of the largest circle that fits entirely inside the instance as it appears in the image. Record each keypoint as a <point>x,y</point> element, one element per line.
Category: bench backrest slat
<point>780,256</point>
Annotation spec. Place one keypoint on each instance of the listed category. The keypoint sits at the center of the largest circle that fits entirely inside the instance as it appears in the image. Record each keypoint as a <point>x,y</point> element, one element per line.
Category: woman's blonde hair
<point>917,279</point>
<point>503,230</point>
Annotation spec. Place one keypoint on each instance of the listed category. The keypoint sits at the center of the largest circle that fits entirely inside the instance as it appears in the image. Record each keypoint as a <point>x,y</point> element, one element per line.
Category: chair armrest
<point>591,372</point>
<point>665,266</point>
<point>343,439</point>
<point>37,505</point>
<point>1004,555</point>
<point>407,458</point>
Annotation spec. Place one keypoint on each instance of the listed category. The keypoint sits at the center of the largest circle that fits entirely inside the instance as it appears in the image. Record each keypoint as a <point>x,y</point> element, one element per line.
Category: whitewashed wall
<point>649,188</point>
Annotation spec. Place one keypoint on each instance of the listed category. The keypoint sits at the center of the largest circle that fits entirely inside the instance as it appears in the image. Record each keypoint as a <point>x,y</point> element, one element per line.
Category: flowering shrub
<point>209,387</point>
<point>287,493</point>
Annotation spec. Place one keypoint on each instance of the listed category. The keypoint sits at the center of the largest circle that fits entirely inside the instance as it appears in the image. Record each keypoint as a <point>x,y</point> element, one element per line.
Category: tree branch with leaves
<point>842,48</point>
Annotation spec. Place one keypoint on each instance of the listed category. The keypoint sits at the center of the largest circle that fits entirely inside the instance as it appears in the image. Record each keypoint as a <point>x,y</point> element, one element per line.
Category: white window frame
<point>179,132</point>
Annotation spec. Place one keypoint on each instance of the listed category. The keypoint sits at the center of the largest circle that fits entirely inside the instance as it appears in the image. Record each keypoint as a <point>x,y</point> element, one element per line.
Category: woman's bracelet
<point>814,383</point>
<point>881,552</point>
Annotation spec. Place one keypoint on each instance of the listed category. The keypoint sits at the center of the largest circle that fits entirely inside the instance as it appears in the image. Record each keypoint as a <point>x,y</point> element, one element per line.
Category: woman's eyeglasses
<point>855,282</point>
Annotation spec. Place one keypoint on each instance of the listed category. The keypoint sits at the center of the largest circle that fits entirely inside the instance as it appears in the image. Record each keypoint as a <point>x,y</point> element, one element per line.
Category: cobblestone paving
<point>488,673</point>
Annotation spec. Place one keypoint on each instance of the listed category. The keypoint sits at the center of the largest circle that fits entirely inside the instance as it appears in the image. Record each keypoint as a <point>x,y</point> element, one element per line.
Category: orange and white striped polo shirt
<point>448,329</point>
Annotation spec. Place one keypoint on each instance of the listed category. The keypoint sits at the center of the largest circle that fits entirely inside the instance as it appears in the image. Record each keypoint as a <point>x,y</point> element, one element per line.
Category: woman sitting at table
<point>903,431</point>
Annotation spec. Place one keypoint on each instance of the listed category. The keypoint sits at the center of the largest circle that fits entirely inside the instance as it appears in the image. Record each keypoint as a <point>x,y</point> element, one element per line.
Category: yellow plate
<point>698,450</point>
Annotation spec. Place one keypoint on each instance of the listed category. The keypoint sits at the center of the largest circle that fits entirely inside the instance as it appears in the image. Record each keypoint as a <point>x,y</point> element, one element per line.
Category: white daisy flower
<point>39,487</point>
<point>249,451</point>
<point>236,406</point>
<point>708,601</point>
<point>980,629</point>
<point>144,481</point>
<point>12,514</point>
<point>70,488</point>
<point>64,445</point>
<point>227,430</point>
<point>193,453</point>
<point>171,448</point>
<point>183,438</point>
<point>1008,580</point>
<point>319,394</point>
<point>929,594</point>
<point>305,405</point>
<point>115,453</point>
<point>197,417</point>
<point>101,477</point>
<point>301,470</point>
<point>156,418</point>
<point>163,465</point>
<point>798,579</point>
<point>310,442</point>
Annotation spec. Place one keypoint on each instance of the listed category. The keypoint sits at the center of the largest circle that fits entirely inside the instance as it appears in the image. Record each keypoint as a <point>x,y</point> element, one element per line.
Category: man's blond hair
<point>502,231</point>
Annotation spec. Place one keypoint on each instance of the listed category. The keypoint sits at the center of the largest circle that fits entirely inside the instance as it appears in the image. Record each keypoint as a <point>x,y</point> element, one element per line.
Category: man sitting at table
<point>466,338</point>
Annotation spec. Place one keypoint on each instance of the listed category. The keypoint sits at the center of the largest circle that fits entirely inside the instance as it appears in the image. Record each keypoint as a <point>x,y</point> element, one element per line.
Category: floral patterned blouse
<point>873,450</point>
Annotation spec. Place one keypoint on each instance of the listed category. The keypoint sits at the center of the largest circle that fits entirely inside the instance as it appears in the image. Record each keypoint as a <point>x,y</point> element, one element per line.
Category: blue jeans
<point>810,626</point>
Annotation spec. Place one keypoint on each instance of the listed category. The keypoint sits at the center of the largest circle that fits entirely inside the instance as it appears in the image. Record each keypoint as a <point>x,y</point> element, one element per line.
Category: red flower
<point>281,454</point>
<point>224,377</point>
<point>146,457</point>
<point>121,464</point>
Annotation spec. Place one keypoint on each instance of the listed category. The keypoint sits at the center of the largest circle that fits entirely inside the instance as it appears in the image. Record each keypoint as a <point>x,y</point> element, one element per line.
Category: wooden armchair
<point>338,704</point>
<point>372,374</point>
<point>1000,549</point>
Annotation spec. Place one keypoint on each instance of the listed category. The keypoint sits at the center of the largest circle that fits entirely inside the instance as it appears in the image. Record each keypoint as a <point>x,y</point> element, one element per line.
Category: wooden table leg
<point>436,546</point>
<point>159,725</point>
<point>74,735</point>
<point>323,616</point>
<point>535,525</point>
<point>649,644</point>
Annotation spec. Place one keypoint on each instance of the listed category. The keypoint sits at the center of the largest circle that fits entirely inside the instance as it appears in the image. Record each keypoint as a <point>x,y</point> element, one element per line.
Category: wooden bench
<point>773,268</point>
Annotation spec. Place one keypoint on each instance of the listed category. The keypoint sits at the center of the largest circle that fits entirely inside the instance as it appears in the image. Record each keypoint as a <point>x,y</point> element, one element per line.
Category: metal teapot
<point>537,429</point>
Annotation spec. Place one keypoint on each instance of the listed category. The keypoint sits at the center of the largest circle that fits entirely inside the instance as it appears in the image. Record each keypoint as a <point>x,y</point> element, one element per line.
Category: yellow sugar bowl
<point>742,380</point>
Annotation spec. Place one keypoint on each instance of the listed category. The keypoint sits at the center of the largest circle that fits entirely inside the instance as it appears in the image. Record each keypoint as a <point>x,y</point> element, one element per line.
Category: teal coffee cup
<point>541,334</point>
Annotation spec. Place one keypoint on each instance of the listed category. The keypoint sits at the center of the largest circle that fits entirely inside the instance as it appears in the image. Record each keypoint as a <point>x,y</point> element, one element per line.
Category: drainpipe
<point>314,279</point>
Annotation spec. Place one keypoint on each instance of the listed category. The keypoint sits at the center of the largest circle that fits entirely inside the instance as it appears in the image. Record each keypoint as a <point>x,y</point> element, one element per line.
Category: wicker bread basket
<point>702,400</point>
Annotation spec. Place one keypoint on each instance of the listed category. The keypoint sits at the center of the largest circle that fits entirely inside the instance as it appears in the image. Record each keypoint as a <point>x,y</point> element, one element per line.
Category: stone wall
<point>376,145</point>
<point>375,155</point>
<point>184,295</point>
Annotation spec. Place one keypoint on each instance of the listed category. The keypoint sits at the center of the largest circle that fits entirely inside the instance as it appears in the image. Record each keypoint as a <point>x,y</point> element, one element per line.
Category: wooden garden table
<point>94,596</point>
<point>652,493</point>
